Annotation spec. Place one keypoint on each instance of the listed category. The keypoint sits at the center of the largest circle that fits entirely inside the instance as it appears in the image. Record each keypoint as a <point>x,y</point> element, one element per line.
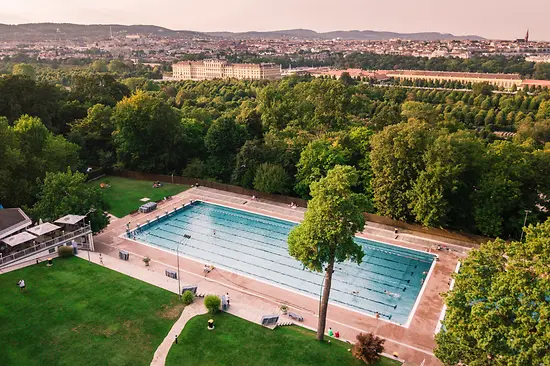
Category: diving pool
<point>387,282</point>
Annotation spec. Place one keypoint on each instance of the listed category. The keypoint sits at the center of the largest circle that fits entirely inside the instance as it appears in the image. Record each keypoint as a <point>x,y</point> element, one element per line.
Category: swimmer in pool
<point>392,294</point>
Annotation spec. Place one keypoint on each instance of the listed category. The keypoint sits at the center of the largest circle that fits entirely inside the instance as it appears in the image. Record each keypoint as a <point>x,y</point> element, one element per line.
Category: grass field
<point>235,341</point>
<point>123,195</point>
<point>78,313</point>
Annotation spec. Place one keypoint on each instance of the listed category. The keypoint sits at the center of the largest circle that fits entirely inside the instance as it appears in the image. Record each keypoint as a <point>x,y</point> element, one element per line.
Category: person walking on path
<point>227,297</point>
<point>21,284</point>
<point>101,259</point>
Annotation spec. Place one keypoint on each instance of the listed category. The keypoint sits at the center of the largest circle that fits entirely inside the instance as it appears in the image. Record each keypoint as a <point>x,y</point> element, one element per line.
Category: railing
<point>45,245</point>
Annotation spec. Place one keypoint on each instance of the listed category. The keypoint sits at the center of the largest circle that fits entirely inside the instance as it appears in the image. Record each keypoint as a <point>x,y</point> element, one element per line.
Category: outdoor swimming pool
<point>388,280</point>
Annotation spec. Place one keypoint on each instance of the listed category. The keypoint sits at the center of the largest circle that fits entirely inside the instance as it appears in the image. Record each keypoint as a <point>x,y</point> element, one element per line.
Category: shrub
<point>368,347</point>
<point>65,252</point>
<point>187,297</point>
<point>212,303</point>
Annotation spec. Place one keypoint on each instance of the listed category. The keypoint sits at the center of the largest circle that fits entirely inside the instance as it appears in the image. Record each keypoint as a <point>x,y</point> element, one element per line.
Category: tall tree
<point>325,237</point>
<point>97,89</point>
<point>24,69</point>
<point>315,161</point>
<point>506,188</point>
<point>249,157</point>
<point>67,193</point>
<point>148,134</point>
<point>397,159</point>
<point>497,312</point>
<point>40,151</point>
<point>21,95</point>
<point>271,178</point>
<point>223,140</point>
<point>94,135</point>
<point>441,194</point>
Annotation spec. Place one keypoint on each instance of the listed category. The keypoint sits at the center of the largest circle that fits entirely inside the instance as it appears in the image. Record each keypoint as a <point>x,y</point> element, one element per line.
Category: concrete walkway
<point>196,308</point>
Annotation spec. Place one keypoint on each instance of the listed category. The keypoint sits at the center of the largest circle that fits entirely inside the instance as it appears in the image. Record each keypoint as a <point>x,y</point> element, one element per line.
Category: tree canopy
<point>326,236</point>
<point>66,193</point>
<point>498,309</point>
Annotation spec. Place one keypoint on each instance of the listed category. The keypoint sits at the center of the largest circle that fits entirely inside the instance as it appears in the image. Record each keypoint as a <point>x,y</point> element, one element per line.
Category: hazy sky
<point>502,19</point>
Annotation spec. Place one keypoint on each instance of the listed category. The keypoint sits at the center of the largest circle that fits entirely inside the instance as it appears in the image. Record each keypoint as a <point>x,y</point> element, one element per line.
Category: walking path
<point>196,308</point>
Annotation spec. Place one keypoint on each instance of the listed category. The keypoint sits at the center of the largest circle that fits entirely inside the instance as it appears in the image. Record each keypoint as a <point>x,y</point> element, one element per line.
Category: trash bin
<point>210,324</point>
<point>50,262</point>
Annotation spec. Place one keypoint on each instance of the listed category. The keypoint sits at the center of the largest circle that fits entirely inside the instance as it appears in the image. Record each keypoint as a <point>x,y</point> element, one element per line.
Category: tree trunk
<point>323,306</point>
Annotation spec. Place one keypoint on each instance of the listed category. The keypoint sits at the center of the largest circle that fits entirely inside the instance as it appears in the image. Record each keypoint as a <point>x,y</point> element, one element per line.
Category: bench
<point>296,316</point>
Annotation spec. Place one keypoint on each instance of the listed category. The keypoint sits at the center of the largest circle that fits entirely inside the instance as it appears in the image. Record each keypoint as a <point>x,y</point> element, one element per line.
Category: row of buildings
<point>221,69</point>
<point>506,81</point>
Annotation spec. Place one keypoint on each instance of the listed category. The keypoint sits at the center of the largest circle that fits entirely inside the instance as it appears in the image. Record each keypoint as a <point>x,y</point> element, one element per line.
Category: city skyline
<point>491,19</point>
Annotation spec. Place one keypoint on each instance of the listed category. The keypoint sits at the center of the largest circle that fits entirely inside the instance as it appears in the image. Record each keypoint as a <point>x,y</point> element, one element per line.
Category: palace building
<point>221,69</point>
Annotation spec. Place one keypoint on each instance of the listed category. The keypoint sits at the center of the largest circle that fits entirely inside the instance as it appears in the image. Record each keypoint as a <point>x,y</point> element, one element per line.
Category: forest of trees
<point>424,156</point>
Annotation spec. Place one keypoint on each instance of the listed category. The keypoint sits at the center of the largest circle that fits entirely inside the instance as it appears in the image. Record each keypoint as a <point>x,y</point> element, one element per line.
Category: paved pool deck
<point>250,299</point>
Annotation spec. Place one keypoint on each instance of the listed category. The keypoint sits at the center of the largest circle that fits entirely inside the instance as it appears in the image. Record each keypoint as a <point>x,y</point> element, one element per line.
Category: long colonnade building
<point>503,80</point>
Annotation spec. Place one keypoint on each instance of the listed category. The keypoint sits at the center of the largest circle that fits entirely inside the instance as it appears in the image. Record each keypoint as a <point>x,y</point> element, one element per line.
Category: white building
<point>220,69</point>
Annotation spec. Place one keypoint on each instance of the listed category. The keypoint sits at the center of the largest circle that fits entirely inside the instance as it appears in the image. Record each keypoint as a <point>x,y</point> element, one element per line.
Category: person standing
<point>330,332</point>
<point>21,284</point>
<point>227,297</point>
<point>75,247</point>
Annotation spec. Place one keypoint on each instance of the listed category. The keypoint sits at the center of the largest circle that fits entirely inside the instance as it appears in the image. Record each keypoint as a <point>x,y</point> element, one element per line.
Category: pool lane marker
<point>281,273</point>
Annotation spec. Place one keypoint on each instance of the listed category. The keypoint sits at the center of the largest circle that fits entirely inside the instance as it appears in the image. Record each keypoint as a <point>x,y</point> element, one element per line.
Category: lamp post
<point>87,213</point>
<point>527,212</point>
<point>185,236</point>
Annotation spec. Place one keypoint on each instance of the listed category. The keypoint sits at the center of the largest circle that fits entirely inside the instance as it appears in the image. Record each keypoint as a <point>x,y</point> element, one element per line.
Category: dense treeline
<point>422,155</point>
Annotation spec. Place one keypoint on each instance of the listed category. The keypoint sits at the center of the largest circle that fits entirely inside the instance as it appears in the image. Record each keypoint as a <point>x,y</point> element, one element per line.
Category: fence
<point>447,234</point>
<point>45,245</point>
<point>214,185</point>
<point>94,174</point>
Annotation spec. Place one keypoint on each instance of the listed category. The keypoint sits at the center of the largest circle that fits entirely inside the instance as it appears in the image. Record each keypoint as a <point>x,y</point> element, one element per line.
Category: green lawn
<point>238,342</point>
<point>123,195</point>
<point>78,313</point>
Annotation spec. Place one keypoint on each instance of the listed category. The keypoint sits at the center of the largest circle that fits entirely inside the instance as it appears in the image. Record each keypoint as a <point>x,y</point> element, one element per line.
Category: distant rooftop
<point>449,74</point>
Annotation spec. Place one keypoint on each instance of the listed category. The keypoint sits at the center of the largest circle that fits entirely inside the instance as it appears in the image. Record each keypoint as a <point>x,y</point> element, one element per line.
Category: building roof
<point>43,229</point>
<point>19,238</point>
<point>542,83</point>
<point>69,219</point>
<point>449,74</point>
<point>12,220</point>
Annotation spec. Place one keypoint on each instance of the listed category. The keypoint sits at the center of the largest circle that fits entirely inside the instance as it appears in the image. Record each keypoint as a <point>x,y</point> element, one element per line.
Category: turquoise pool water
<point>388,280</point>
